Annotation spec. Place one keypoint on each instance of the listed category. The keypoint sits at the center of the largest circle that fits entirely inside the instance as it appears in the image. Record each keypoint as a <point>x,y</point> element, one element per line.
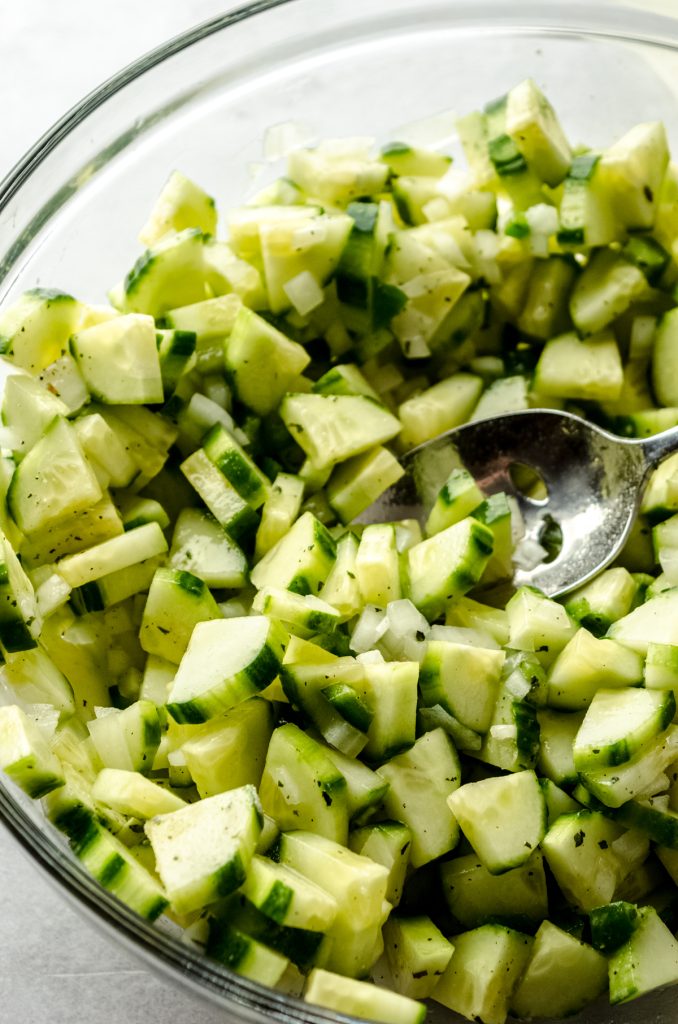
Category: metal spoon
<point>594,482</point>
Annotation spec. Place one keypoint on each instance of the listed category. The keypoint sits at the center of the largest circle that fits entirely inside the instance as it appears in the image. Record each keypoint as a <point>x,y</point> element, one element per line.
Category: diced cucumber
<point>27,408</point>
<point>618,724</point>
<point>534,127</point>
<point>598,604</point>
<point>261,362</point>
<point>512,740</point>
<point>359,481</point>
<point>210,320</point>
<point>116,869</point>
<point>483,973</point>
<point>557,732</point>
<point>127,739</point>
<point>336,171</point>
<point>302,788</point>
<point>137,511</point>
<point>105,451</point>
<point>357,883</point>
<point>417,954</point>
<point>203,851</point>
<point>612,925</point>
<point>176,602</point>
<point>586,217</point>
<point>562,976</point>
<point>441,407</point>
<point>305,686</point>
<point>36,328</point>
<point>304,948</point>
<point>176,355</point>
<point>504,819</point>
<point>495,513</point>
<point>538,624</point>
<point>341,588</point>
<point>112,555</point>
<point>632,170</point>
<point>462,679</point>
<point>53,481</point>
<point>517,897</point>
<point>648,960</point>
<point>364,788</point>
<point>202,547</point>
<point>20,620</point>
<point>447,565</point>
<point>652,622</point>
<point>35,679</point>
<point>132,794</point>
<point>181,204</point>
<point>665,359</point>
<point>377,565</point>
<point>661,667</point>
<point>334,992</point>
<point>287,896</point>
<point>333,428</point>
<point>119,360</point>
<point>244,955</point>
<point>579,851</point>
<point>171,273</point>
<point>64,380</point>
<point>301,559</point>
<point>467,613</point>
<point>279,512</point>
<point>457,498</point>
<point>230,510</point>
<point>607,287</point>
<point>387,843</point>
<point>420,782</point>
<point>302,614</point>
<point>25,755</point>
<point>586,665</point>
<point>227,660</point>
<point>635,777</point>
<point>233,461</point>
<point>230,751</point>
<point>588,369</point>
<point>302,245</point>
<point>391,691</point>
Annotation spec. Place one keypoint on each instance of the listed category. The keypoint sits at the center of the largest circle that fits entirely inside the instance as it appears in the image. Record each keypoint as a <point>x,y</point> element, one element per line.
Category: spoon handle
<point>657,447</point>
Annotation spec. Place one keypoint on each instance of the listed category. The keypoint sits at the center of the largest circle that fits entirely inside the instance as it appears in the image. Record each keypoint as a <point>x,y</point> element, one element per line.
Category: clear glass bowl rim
<point>246,1000</point>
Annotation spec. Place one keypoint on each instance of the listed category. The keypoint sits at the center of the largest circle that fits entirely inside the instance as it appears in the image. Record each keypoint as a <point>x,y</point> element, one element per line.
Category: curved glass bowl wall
<point>70,212</point>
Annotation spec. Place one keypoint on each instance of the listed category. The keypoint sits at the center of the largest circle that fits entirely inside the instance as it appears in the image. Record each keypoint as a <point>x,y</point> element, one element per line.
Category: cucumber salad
<point>352,761</point>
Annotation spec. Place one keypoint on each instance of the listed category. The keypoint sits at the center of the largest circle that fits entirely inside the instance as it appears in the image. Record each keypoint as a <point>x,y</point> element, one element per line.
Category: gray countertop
<point>54,966</point>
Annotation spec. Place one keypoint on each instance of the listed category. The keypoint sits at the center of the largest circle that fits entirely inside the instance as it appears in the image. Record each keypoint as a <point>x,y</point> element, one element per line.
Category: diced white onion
<point>517,685</point>
<point>529,554</point>
<point>542,219</point>
<point>304,292</point>
<point>369,629</point>
<point>370,658</point>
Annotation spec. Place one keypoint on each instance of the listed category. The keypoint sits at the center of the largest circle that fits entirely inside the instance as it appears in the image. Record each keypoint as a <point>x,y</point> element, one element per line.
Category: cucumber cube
<point>227,660</point>
<point>203,851</point>
<point>504,818</point>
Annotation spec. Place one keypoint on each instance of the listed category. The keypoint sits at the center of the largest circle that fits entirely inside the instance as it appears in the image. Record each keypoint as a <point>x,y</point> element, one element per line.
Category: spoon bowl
<point>593,483</point>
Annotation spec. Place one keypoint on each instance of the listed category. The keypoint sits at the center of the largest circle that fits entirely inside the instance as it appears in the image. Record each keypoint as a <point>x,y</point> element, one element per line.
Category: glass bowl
<point>71,209</point>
